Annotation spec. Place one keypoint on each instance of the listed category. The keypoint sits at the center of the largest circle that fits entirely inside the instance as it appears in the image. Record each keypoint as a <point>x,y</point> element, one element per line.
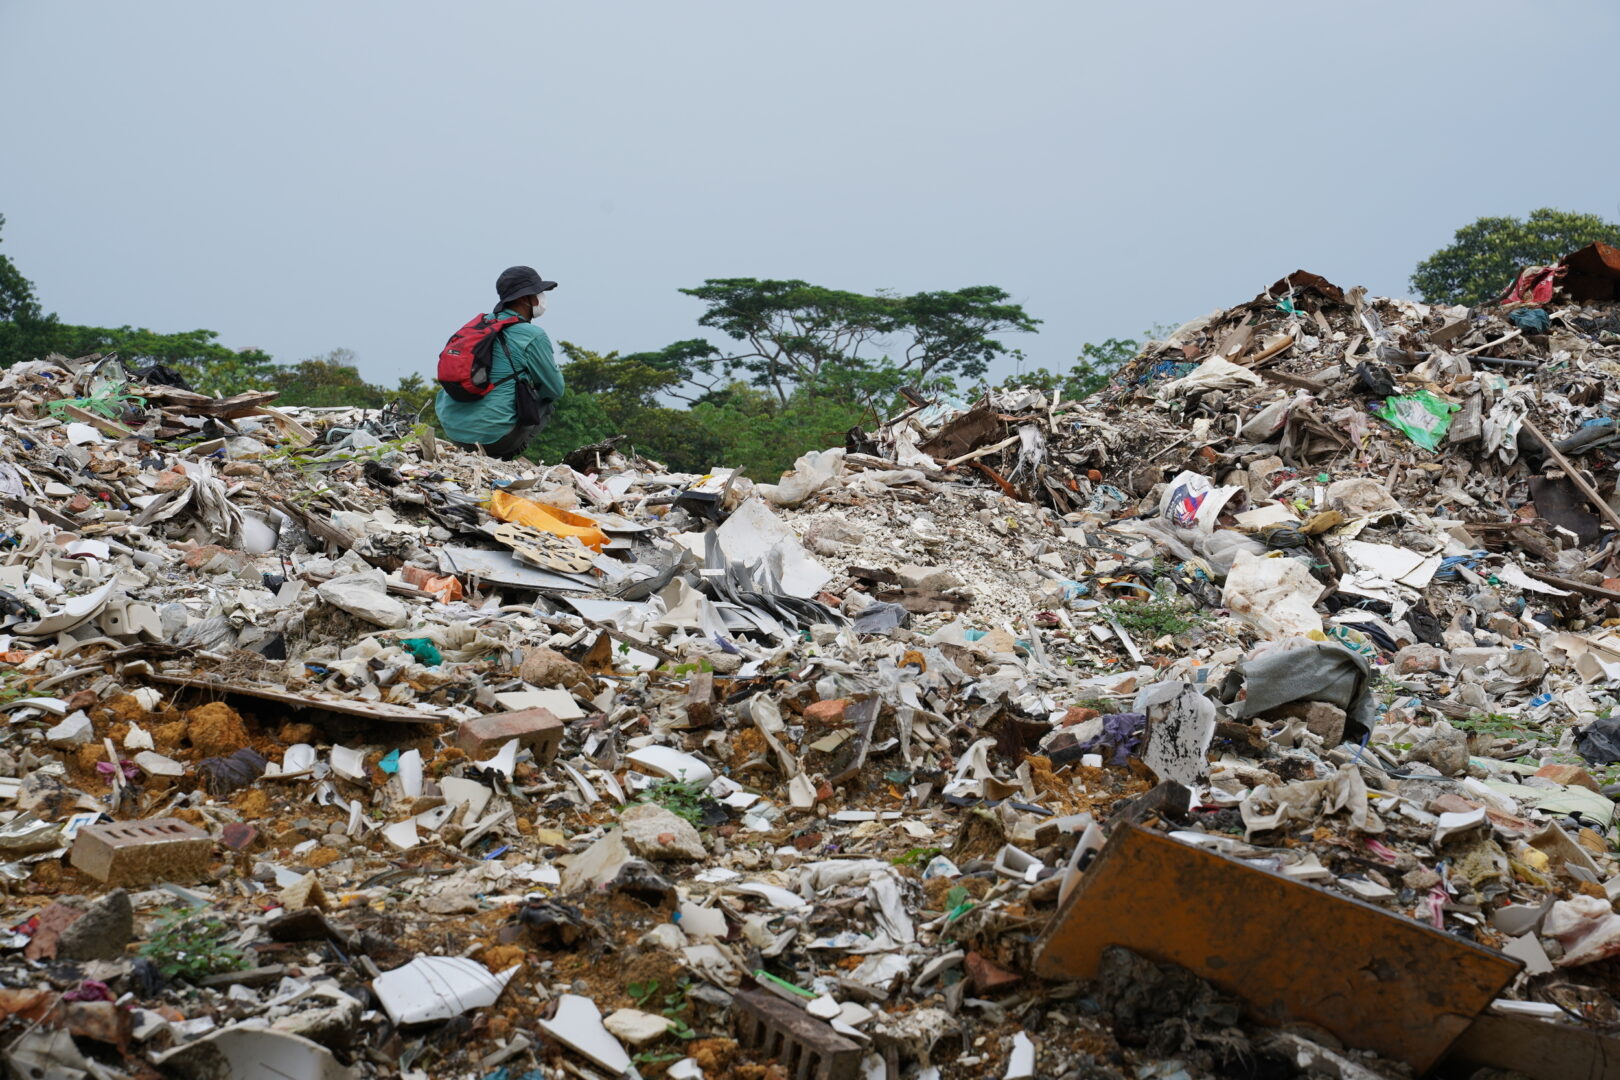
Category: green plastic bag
<point>426,653</point>
<point>1422,416</point>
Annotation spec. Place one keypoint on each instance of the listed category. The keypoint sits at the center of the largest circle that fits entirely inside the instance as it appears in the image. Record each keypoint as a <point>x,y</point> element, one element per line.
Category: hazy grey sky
<point>305,175</point>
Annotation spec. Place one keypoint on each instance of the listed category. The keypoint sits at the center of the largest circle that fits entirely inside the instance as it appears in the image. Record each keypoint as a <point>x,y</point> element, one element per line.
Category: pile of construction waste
<point>1252,717</point>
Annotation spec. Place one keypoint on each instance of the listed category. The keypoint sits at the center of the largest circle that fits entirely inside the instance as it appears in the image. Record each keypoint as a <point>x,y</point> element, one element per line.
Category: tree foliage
<point>26,331</point>
<point>1093,368</point>
<point>794,334</point>
<point>332,379</point>
<point>1484,257</point>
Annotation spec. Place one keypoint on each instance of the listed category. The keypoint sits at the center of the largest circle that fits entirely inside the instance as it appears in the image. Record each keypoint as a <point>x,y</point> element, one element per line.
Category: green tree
<point>1483,258</point>
<point>794,334</point>
<point>609,394</point>
<point>1092,369</point>
<point>331,379</point>
<point>951,331</point>
<point>26,331</point>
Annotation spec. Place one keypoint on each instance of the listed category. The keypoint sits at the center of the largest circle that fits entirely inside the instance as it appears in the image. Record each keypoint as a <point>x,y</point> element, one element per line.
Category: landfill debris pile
<point>1253,717</point>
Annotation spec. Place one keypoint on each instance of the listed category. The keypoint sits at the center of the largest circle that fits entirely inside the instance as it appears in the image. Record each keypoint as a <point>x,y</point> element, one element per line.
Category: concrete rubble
<point>331,750</point>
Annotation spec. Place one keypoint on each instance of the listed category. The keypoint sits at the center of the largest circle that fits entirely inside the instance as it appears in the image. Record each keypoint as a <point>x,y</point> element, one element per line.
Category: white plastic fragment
<point>438,988</point>
<point>577,1024</point>
<point>669,762</point>
<point>1021,1062</point>
<point>401,834</point>
<point>349,764</point>
<point>505,759</point>
<point>410,773</point>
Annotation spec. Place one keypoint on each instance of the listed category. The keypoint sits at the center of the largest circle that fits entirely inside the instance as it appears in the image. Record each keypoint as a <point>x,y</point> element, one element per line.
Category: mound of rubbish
<point>1254,716</point>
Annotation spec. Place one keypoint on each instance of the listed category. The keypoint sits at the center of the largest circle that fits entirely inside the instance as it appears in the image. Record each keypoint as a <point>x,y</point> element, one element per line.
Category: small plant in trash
<point>189,945</point>
<point>684,798</point>
<point>642,992</point>
<point>917,856</point>
<point>1154,618</point>
<point>1496,725</point>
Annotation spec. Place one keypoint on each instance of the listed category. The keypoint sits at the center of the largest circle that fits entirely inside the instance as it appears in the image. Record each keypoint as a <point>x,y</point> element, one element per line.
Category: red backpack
<point>468,356</point>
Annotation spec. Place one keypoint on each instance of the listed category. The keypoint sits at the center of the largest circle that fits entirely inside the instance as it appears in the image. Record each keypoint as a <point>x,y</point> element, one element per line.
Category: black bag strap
<point>501,337</point>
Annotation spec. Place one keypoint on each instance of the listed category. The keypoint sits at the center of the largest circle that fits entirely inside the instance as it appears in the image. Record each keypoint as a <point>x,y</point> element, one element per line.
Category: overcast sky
<point>305,175</point>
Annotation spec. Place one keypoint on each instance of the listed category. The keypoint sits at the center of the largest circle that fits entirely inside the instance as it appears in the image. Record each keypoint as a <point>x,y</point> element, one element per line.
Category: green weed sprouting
<point>189,945</point>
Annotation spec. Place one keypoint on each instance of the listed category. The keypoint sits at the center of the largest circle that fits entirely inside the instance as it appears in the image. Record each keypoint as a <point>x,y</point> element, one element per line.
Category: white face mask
<point>539,306</point>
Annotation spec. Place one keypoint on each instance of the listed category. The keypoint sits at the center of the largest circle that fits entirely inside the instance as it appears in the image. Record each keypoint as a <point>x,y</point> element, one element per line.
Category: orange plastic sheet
<point>508,507</point>
<point>447,589</point>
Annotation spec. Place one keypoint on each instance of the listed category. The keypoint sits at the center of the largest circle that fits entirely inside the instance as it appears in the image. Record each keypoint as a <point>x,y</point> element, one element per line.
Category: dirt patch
<point>292,732</point>
<point>252,804</point>
<point>745,746</point>
<point>321,856</point>
<point>498,958</point>
<point>216,729</point>
<point>170,736</point>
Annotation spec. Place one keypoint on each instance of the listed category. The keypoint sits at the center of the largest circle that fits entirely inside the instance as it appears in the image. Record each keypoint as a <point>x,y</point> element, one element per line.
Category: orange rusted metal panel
<point>1293,952</point>
<point>1594,273</point>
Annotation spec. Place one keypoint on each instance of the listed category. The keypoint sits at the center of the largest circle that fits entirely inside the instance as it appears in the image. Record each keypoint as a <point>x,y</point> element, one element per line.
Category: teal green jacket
<point>527,351</point>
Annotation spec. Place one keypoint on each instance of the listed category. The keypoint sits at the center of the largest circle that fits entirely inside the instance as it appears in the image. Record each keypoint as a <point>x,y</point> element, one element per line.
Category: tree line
<point>800,364</point>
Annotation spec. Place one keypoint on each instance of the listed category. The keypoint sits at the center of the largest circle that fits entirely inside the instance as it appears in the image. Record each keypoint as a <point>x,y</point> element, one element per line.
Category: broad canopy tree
<point>795,335</point>
<point>1484,257</point>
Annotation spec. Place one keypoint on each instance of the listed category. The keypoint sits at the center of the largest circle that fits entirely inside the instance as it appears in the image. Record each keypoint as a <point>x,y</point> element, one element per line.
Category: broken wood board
<point>1539,1049</point>
<point>1293,952</point>
<point>369,710</point>
<point>971,430</point>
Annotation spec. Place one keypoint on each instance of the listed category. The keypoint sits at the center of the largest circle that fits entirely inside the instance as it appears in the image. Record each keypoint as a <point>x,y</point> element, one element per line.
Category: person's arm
<point>540,368</point>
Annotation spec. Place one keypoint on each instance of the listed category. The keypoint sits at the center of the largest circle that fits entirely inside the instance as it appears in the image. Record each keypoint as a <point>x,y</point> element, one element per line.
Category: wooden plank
<point>299,433</point>
<point>370,710</point>
<point>1600,504</point>
<point>1575,586</point>
<point>1539,1049</point>
<point>100,423</point>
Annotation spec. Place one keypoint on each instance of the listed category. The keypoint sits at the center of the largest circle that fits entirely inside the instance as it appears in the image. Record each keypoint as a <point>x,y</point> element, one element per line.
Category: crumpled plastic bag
<point>1587,928</point>
<point>1120,737</point>
<point>1216,373</point>
<point>1301,669</point>
<point>1191,501</point>
<point>1599,741</point>
<point>1307,800</point>
<point>811,473</point>
<point>1277,596</point>
<point>1361,496</point>
<point>1218,549</point>
<point>1422,417</point>
<point>461,642</point>
<point>1502,425</point>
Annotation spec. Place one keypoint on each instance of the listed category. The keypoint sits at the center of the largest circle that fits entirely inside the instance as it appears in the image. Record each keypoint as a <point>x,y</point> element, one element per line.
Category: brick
<point>988,977</point>
<point>536,729</point>
<point>1569,776</point>
<point>830,711</point>
<point>143,852</point>
<point>239,835</point>
<point>805,1047</point>
<point>1078,714</point>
